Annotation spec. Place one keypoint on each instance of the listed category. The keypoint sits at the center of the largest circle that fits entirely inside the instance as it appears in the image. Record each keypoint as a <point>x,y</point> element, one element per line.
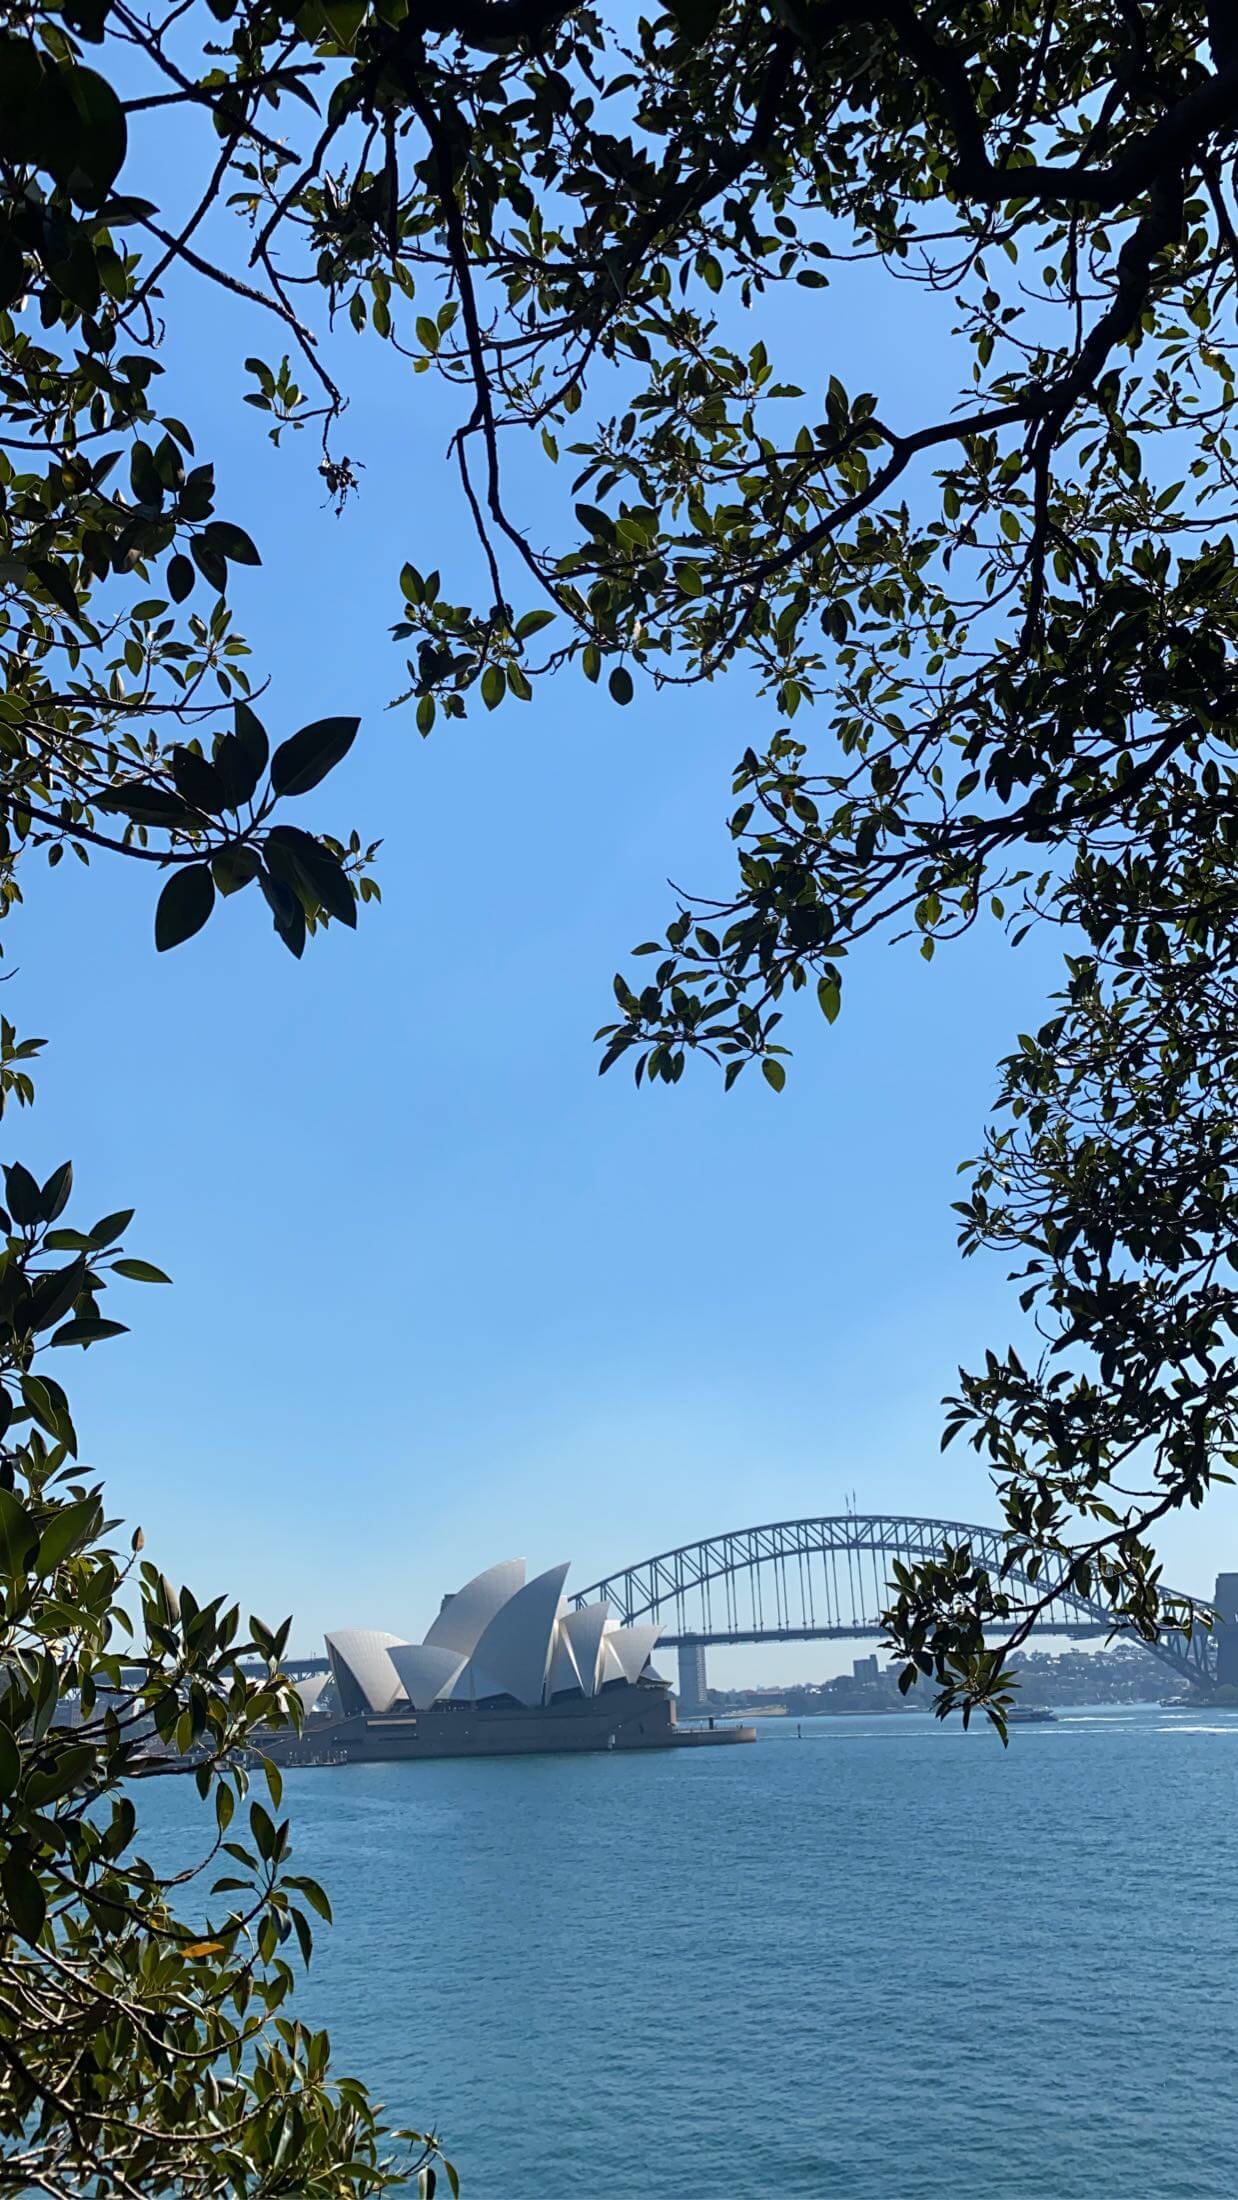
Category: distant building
<point>865,1669</point>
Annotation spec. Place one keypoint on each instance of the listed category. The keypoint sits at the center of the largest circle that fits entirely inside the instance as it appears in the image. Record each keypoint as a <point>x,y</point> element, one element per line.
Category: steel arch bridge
<point>827,1578</point>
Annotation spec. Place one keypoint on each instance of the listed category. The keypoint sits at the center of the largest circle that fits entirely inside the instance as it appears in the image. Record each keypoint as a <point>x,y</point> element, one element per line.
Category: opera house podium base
<point>623,1715</point>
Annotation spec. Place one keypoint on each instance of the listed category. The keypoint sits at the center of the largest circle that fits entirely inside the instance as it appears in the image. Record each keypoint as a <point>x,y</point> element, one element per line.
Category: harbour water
<point>885,1961</point>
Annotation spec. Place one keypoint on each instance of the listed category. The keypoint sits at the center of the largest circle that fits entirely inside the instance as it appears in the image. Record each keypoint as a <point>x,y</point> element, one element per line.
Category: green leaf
<point>286,909</point>
<point>139,1271</point>
<point>99,152</point>
<point>37,1396</point>
<point>22,1196</point>
<point>262,1828</point>
<point>54,1197</point>
<point>305,1937</point>
<point>306,757</point>
<point>313,1893</point>
<point>54,1294</point>
<point>59,586</point>
<point>111,1227</point>
<point>69,1769</point>
<point>313,868</point>
<point>212,567</point>
<point>24,1896</point>
<point>241,756</point>
<point>620,684</point>
<point>199,782</point>
<point>829,998</point>
<point>235,866</point>
<point>146,804</point>
<point>230,542</point>
<point>184,905</point>
<point>10,1763</point>
<point>773,1073</point>
<point>89,1329</point>
<point>180,577</point>
<point>65,1532</point>
<point>696,18</point>
<point>18,1535</point>
<point>144,476</point>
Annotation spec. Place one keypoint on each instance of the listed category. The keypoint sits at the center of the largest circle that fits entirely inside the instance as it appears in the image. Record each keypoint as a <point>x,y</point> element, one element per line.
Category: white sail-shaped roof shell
<point>362,1651</point>
<point>512,1657</point>
<point>584,1630</point>
<point>563,1671</point>
<point>426,1671</point>
<point>310,1688</point>
<point>631,1649</point>
<point>466,1616</point>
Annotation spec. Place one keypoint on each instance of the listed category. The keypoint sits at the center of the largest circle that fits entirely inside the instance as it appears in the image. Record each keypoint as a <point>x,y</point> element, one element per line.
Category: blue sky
<point>440,1293</point>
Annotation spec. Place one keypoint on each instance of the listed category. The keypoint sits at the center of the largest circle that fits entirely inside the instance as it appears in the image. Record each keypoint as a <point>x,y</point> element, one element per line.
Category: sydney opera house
<point>506,1667</point>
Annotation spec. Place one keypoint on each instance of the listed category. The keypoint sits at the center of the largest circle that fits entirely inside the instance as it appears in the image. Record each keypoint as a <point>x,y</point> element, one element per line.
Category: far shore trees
<point>986,653</point>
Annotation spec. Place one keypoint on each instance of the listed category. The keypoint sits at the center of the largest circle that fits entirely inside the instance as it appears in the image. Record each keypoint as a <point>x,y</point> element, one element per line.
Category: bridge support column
<point>693,1687</point>
<point>1225,1605</point>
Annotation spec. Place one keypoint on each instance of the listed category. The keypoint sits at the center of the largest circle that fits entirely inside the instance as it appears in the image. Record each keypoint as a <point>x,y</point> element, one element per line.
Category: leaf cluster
<point>148,2042</point>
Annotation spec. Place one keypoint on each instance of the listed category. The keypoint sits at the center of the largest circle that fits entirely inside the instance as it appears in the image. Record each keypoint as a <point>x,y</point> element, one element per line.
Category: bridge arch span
<point>827,1577</point>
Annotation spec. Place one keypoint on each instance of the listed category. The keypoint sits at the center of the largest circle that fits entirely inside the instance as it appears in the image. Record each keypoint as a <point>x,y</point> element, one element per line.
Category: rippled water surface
<point>885,1961</point>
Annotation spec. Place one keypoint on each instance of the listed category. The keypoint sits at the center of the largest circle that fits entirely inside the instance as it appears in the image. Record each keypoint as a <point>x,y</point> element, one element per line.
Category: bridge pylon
<point>693,1685</point>
<point>1225,1605</point>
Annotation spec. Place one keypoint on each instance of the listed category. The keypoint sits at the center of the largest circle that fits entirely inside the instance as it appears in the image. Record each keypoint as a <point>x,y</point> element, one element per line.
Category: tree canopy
<point>147,2044</point>
<point>985,655</point>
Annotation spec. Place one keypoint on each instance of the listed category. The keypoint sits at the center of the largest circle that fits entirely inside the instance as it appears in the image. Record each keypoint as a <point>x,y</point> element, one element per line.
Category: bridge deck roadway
<point>670,1641</point>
